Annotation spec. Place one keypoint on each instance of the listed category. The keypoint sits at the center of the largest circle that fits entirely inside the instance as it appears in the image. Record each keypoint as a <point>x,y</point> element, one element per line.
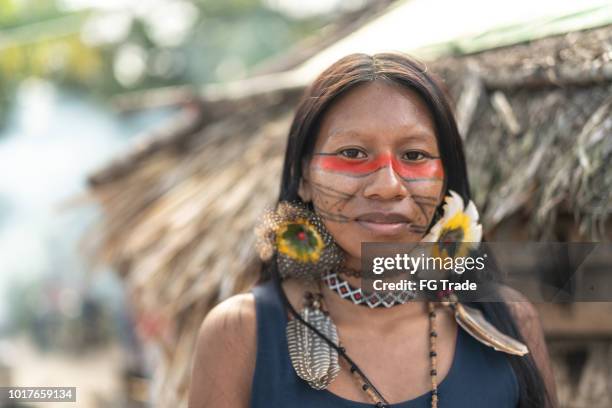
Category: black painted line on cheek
<point>423,207</point>
<point>419,180</point>
<point>341,197</point>
<point>432,200</point>
<point>418,228</point>
<point>423,202</point>
<point>329,190</point>
<point>327,215</point>
<point>338,199</point>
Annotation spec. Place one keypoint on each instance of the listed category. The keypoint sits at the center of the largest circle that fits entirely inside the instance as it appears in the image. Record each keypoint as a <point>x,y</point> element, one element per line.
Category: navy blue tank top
<point>479,377</point>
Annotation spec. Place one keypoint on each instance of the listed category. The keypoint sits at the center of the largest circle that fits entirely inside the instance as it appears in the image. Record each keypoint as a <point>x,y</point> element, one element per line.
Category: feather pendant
<point>313,359</point>
<point>473,321</point>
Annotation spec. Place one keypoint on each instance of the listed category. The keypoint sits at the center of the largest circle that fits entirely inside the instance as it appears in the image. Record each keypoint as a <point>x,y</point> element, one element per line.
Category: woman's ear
<point>304,190</point>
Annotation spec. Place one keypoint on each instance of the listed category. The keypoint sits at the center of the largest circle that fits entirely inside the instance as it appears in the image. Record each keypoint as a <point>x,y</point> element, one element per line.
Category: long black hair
<point>348,73</point>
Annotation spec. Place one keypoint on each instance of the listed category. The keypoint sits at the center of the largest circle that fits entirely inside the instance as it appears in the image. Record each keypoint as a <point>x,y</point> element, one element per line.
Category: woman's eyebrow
<point>416,132</point>
<point>424,136</point>
<point>337,132</point>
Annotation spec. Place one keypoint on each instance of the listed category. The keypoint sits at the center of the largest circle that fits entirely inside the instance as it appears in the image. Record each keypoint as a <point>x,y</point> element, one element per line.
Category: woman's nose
<point>385,184</point>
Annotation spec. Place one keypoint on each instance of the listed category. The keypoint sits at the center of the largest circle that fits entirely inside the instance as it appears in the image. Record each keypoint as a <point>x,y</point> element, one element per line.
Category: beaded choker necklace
<point>359,297</point>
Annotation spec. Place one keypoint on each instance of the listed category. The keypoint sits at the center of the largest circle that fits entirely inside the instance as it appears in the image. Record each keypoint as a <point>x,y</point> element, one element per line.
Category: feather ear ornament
<point>304,250</point>
<point>459,226</point>
<point>473,321</point>
<point>313,359</point>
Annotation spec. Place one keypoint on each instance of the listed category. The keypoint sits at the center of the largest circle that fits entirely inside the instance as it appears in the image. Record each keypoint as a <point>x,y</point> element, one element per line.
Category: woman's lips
<point>384,228</point>
<point>384,223</point>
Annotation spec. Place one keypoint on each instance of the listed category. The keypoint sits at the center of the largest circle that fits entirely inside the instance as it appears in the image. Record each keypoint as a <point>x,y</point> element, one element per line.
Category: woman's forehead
<point>377,107</point>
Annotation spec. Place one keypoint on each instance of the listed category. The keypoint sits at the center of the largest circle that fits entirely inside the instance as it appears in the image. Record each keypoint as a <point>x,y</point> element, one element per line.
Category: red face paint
<point>426,169</point>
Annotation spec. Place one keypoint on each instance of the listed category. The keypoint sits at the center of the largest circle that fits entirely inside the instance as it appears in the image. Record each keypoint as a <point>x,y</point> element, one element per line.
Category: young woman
<point>373,153</point>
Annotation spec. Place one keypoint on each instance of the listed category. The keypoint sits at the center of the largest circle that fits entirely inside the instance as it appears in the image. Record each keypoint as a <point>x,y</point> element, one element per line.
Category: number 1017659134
<point>38,394</point>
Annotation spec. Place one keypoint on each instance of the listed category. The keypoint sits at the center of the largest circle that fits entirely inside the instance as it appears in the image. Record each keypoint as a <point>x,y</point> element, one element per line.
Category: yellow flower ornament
<point>458,231</point>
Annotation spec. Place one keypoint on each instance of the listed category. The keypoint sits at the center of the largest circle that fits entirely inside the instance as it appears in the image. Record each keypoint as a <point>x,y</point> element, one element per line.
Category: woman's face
<point>376,173</point>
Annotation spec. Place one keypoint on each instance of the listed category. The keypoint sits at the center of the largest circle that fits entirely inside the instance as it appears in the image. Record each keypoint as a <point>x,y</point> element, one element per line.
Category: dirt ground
<point>95,374</point>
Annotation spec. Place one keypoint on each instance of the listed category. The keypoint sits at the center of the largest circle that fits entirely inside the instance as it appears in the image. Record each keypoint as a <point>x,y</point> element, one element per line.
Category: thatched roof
<point>179,209</point>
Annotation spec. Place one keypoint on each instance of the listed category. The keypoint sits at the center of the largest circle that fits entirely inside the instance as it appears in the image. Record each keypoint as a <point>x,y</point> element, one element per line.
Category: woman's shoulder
<point>227,338</point>
<point>231,321</point>
<point>236,306</point>
<point>521,308</point>
<point>530,325</point>
<point>524,313</point>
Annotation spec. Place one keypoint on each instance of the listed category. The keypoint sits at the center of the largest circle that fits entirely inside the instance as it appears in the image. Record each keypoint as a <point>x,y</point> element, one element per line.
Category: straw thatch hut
<point>180,207</point>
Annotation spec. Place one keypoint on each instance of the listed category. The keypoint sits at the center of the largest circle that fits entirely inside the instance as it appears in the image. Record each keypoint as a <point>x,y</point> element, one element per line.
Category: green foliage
<point>37,38</point>
<point>15,13</point>
<point>228,8</point>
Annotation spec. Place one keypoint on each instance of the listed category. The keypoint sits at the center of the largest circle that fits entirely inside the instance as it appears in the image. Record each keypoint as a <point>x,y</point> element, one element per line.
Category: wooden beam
<point>576,320</point>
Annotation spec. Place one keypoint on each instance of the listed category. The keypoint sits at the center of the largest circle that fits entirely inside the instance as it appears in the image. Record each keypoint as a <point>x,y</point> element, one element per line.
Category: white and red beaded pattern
<point>356,295</point>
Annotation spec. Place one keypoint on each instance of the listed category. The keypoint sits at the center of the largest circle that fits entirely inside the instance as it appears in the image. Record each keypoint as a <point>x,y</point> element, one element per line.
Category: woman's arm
<point>225,351</point>
<point>528,321</point>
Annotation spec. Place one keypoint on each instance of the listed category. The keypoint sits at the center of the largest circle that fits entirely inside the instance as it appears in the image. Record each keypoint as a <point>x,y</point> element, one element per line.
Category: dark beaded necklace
<point>359,375</point>
<point>346,271</point>
<point>378,400</point>
<point>349,272</point>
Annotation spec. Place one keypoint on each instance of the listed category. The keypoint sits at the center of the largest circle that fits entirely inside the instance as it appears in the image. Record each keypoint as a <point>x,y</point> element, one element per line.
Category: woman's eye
<point>414,155</point>
<point>352,154</point>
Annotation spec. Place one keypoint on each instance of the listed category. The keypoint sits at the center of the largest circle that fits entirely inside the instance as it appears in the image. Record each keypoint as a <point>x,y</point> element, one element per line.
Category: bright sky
<point>418,23</point>
<point>415,24</point>
<point>295,8</point>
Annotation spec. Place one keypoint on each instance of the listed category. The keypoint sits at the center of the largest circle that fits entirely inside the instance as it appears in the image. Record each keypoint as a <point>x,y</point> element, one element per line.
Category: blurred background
<point>140,140</point>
